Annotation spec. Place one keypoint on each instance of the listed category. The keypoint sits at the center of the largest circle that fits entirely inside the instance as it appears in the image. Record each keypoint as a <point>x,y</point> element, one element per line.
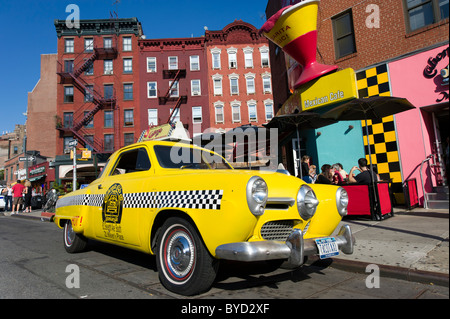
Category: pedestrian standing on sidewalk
<point>28,191</point>
<point>17,196</point>
<point>8,198</point>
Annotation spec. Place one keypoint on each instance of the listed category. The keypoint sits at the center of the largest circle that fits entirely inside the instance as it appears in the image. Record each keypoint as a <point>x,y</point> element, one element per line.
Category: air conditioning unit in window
<point>232,65</point>
<point>109,72</point>
<point>196,93</point>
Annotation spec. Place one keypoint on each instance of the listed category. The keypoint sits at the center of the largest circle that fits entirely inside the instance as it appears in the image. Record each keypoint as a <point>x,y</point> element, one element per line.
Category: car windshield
<point>189,158</point>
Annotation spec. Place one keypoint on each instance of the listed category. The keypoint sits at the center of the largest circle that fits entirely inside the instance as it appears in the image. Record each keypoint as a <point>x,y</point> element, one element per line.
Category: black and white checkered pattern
<point>199,199</point>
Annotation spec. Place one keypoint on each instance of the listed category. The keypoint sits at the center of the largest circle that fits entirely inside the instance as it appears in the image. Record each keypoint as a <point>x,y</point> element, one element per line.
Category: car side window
<point>135,160</point>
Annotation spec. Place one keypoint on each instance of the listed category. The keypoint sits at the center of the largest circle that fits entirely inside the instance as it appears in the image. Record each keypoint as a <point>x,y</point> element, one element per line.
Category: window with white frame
<point>174,90</point>
<point>197,114</point>
<point>107,43</point>
<point>252,114</point>
<point>194,62</point>
<point>250,81</point>
<point>234,84</point>
<point>215,52</point>
<point>236,111</point>
<point>152,117</point>
<point>88,45</point>
<point>151,65</point>
<point>108,66</point>
<point>217,83</point>
<point>268,106</point>
<point>267,85</point>
<point>152,90</point>
<point>69,46</point>
<point>127,65</point>
<point>195,88</point>
<point>218,107</point>
<point>127,44</point>
<point>248,56</point>
<point>173,63</point>
<point>264,56</point>
<point>232,58</point>
<point>176,115</point>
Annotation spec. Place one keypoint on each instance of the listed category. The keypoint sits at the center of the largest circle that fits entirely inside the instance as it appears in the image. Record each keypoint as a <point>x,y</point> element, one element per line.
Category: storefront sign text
<point>430,70</point>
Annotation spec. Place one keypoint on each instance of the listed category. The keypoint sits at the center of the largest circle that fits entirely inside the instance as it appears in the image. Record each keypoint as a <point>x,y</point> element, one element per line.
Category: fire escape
<point>72,75</point>
<point>174,75</point>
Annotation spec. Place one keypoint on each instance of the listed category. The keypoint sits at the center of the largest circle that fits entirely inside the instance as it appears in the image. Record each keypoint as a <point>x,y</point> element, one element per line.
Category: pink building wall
<point>415,131</point>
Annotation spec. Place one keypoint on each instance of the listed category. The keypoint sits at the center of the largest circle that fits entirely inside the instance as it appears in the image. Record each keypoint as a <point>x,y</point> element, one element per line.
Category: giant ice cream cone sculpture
<point>294,29</point>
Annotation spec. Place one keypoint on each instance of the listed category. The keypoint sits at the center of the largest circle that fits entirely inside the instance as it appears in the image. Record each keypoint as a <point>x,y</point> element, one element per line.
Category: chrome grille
<point>277,230</point>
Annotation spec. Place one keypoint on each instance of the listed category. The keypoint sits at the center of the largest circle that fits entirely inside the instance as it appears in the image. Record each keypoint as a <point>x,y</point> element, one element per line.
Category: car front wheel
<point>73,242</point>
<point>184,264</point>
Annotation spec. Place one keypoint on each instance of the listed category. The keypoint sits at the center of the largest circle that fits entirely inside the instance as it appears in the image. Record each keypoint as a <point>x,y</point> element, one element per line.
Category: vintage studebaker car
<point>190,208</point>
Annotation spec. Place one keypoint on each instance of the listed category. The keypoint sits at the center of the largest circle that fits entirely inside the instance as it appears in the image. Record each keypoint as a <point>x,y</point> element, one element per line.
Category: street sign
<point>73,143</point>
<point>29,158</point>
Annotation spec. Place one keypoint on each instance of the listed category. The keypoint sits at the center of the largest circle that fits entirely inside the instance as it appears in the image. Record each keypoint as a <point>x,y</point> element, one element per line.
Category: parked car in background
<point>191,209</point>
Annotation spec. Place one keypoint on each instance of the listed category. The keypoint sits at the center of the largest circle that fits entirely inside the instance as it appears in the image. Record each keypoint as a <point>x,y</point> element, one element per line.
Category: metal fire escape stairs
<point>175,76</point>
<point>73,76</point>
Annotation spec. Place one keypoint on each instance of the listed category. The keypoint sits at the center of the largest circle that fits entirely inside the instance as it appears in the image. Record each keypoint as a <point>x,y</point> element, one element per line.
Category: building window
<point>218,106</point>
<point>175,116</point>
<point>128,139</point>
<point>217,82</point>
<point>174,90</point>
<point>88,45</point>
<point>89,69</point>
<point>128,91</point>
<point>252,115</point>
<point>152,117</point>
<point>151,90</point>
<point>344,34</point>
<point>67,140</point>
<point>68,66</point>
<point>107,43</point>
<point>69,46</point>
<point>109,142</point>
<point>108,90</point>
<point>216,58</point>
<point>250,81</point>
<point>268,105</point>
<point>234,85</point>
<point>128,117</point>
<point>420,13</point>
<point>232,58</point>
<point>68,94</point>
<point>108,119</point>
<point>173,63</point>
<point>127,44</point>
<point>236,112</point>
<point>90,141</point>
<point>196,114</point>
<point>90,124</point>
<point>248,56</point>
<point>195,88</point>
<point>127,65</point>
<point>68,119</point>
<point>151,65</point>
<point>267,85</point>
<point>108,66</point>
<point>88,93</point>
<point>194,62</point>
<point>264,56</point>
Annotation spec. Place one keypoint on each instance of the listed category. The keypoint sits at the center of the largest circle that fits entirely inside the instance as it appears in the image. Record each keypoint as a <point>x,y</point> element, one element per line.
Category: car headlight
<point>306,202</point>
<point>342,201</point>
<point>257,193</point>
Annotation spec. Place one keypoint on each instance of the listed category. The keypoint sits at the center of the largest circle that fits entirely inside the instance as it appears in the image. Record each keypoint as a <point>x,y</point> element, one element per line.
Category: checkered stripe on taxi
<point>198,199</point>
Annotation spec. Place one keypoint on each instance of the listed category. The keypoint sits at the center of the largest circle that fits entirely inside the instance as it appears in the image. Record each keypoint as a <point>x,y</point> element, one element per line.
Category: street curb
<point>408,274</point>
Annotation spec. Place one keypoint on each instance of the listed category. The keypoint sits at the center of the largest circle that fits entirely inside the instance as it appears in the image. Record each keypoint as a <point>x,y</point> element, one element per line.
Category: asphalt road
<point>34,265</point>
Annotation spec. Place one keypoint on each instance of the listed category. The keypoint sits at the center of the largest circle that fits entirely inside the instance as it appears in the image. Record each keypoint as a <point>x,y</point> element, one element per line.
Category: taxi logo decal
<point>112,212</point>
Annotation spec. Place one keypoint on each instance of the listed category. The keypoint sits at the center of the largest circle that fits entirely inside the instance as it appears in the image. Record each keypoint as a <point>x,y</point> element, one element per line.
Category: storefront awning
<point>35,178</point>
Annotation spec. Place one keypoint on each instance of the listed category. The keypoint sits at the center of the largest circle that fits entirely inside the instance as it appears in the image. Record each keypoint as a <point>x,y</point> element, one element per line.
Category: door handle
<point>100,186</point>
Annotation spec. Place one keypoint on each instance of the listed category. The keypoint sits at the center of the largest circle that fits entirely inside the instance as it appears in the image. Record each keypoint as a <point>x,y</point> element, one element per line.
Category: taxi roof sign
<point>166,132</point>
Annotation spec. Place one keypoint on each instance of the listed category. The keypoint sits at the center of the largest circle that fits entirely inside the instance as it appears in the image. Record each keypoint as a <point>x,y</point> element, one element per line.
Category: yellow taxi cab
<point>187,206</point>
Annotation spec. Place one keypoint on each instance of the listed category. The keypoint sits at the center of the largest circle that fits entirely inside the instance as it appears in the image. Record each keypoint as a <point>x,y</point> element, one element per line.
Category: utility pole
<point>74,144</point>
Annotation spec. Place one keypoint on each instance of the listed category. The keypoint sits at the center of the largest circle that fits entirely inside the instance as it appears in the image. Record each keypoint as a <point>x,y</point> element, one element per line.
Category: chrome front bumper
<point>294,249</point>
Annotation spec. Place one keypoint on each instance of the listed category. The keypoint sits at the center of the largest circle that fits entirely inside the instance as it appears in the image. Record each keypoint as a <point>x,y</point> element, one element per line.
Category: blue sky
<point>27,31</point>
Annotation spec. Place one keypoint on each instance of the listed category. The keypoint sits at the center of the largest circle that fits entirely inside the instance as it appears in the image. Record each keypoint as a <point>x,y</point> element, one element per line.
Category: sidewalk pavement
<point>412,245</point>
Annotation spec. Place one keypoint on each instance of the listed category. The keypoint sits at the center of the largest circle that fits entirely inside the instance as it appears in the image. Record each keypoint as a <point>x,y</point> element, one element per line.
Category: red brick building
<point>98,93</point>
<point>239,77</point>
<point>173,83</point>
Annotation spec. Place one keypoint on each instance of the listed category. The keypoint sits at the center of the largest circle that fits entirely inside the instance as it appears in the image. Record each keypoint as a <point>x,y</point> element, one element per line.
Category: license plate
<point>327,247</point>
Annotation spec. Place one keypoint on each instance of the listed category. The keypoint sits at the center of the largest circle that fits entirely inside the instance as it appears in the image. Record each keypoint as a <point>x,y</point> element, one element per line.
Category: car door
<point>119,218</point>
